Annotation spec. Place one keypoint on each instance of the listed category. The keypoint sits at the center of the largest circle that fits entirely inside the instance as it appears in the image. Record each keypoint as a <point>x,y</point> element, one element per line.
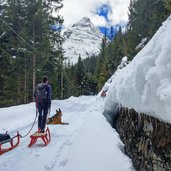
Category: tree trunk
<point>62,82</point>
<point>25,80</point>
<point>34,60</point>
<point>18,88</point>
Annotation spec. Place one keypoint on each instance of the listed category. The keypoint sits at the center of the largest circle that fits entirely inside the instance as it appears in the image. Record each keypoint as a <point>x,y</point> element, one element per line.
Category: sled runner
<point>12,142</point>
<point>56,119</point>
<point>44,136</point>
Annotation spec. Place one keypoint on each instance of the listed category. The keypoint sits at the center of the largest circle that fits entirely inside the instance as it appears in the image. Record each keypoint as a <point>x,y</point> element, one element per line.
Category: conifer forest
<point>30,48</point>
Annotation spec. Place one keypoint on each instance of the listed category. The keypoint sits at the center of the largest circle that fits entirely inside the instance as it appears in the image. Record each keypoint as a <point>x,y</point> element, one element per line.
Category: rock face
<point>147,140</point>
<point>83,39</point>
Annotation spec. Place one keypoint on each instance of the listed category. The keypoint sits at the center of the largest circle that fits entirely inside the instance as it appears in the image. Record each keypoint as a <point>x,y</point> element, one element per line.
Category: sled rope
<point>31,126</point>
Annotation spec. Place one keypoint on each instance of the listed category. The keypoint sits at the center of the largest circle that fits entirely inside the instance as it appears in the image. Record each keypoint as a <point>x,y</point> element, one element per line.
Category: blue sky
<point>104,12</point>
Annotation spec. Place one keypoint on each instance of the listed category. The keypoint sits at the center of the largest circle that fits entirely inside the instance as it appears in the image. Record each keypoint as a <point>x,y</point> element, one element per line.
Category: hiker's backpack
<point>41,92</point>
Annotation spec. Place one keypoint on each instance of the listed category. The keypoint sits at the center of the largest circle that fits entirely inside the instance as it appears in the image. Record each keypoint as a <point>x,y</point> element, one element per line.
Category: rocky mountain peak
<point>84,22</point>
<point>83,39</point>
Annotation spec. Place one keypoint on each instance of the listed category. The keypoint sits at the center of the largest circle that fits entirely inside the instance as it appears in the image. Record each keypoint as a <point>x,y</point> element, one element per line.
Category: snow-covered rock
<point>142,44</point>
<point>83,39</point>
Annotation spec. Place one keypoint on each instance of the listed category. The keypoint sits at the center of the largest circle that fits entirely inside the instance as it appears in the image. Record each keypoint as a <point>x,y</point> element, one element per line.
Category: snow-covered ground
<point>88,143</point>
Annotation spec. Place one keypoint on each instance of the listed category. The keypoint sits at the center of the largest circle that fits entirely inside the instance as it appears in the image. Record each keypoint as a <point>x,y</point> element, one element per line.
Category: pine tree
<point>101,70</point>
<point>112,33</point>
<point>145,17</point>
<point>80,76</point>
<point>168,5</point>
<point>31,47</point>
<point>11,19</point>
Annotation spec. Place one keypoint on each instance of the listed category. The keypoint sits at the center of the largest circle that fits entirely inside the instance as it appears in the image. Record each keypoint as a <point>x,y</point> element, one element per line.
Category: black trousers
<point>43,111</point>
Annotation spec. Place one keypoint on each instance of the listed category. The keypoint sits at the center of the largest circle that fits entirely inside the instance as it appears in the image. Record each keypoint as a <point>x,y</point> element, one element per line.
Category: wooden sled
<point>44,136</point>
<point>5,138</point>
<point>56,119</point>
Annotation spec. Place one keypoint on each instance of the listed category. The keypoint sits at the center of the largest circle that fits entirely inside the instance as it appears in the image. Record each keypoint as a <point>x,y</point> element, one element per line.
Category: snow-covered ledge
<point>139,102</point>
<point>145,83</point>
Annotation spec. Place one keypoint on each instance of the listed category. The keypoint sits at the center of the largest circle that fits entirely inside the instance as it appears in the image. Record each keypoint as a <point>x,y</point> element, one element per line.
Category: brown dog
<point>56,119</point>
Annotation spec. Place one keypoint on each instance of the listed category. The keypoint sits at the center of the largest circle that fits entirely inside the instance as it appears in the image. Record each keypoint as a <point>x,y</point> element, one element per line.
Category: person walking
<point>43,102</point>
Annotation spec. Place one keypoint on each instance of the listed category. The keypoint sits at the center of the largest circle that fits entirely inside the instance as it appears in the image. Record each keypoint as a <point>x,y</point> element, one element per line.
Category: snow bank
<point>145,83</point>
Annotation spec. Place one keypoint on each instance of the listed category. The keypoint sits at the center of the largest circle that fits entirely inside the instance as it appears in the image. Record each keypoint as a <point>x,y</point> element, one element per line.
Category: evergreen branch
<point>17,33</point>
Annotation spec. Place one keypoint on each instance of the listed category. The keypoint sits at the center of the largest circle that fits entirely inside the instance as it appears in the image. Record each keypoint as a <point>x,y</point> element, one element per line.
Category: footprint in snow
<point>37,155</point>
<point>63,163</point>
<point>68,143</point>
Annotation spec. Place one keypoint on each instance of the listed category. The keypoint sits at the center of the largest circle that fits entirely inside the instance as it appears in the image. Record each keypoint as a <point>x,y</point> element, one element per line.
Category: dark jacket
<point>49,92</point>
<point>47,101</point>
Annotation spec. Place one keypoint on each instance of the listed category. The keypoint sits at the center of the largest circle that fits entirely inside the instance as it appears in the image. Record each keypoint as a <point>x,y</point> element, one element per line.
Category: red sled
<point>13,142</point>
<point>44,136</point>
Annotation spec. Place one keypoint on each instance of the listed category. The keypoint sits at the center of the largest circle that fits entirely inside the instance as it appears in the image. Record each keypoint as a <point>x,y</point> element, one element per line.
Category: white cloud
<point>119,11</point>
<point>74,10</point>
<point>98,20</point>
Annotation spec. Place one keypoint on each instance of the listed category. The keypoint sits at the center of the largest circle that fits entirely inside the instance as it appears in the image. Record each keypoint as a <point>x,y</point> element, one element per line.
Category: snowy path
<point>88,143</point>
